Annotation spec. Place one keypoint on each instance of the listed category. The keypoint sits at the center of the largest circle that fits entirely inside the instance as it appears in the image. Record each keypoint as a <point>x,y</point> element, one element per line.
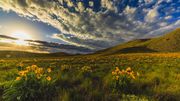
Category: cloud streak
<point>40,46</point>
<point>98,24</point>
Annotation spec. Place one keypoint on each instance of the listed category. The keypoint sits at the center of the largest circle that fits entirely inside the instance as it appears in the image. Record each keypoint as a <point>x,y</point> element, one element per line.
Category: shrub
<point>122,79</point>
<point>86,71</point>
<point>32,84</point>
<point>65,67</point>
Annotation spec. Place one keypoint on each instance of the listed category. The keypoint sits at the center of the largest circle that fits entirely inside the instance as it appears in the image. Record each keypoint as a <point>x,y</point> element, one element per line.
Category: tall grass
<point>91,78</point>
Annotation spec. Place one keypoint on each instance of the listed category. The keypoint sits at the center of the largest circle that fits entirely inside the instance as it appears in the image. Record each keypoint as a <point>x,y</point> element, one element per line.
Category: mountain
<point>169,42</point>
<point>22,54</point>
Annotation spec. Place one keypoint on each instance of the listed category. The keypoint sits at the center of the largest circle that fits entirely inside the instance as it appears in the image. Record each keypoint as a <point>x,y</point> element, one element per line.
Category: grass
<point>159,76</point>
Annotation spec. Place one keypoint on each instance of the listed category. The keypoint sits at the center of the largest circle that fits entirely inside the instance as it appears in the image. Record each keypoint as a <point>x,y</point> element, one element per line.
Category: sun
<point>21,35</point>
<point>21,43</point>
<point>21,38</point>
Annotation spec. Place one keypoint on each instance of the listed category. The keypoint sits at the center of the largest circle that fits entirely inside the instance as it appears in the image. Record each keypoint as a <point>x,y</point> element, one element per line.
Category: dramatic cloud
<point>7,42</point>
<point>98,24</point>
<point>7,37</point>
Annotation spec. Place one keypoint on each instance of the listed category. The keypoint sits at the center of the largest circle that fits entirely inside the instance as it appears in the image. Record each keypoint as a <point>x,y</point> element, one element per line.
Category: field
<point>90,78</point>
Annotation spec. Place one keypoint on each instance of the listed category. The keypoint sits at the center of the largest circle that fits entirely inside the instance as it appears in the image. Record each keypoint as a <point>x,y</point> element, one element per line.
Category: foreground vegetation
<point>134,77</point>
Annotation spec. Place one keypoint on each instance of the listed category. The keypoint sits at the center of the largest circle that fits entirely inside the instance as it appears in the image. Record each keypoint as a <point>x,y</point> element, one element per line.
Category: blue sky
<point>91,24</point>
<point>44,31</point>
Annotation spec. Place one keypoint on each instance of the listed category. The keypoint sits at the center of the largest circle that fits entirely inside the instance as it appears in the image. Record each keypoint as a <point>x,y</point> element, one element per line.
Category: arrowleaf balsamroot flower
<point>49,70</point>
<point>48,78</point>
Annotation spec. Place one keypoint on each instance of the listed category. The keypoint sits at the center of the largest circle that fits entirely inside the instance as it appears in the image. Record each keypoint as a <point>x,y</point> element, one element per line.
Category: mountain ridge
<point>169,42</point>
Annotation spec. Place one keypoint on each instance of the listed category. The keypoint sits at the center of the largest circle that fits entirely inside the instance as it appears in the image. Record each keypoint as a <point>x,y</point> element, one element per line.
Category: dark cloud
<point>58,46</point>
<point>49,46</point>
<point>7,37</point>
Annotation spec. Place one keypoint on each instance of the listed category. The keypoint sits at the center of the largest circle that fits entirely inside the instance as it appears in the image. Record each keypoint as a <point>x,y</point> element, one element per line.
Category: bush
<point>32,84</point>
<point>86,71</point>
<point>122,79</point>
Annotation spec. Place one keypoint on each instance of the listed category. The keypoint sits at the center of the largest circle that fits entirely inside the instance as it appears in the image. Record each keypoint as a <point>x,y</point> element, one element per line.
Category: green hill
<point>167,43</point>
<point>170,42</point>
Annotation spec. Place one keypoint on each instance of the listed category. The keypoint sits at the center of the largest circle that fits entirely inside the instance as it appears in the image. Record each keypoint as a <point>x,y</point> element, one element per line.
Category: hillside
<point>22,54</point>
<point>169,42</point>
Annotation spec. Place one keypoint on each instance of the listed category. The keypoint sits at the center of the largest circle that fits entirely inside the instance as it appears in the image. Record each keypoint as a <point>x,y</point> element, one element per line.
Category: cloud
<point>168,17</point>
<point>62,47</point>
<point>7,37</point>
<point>164,29</point>
<point>8,42</point>
<point>129,10</point>
<point>95,24</point>
<point>152,15</point>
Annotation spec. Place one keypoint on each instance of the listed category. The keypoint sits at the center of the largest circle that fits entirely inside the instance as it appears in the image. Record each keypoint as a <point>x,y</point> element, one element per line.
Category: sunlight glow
<point>21,35</point>
<point>21,38</point>
<point>21,42</point>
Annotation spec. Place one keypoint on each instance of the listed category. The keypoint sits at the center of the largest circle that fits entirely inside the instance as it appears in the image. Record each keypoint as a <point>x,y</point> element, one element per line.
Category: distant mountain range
<point>22,54</point>
<point>170,42</point>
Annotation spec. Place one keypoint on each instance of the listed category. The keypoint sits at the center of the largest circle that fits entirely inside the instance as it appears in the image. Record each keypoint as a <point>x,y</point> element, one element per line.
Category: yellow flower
<point>117,69</point>
<point>38,76</point>
<point>22,73</point>
<point>128,69</point>
<point>18,78</point>
<point>137,74</point>
<point>113,73</point>
<point>123,71</point>
<point>26,71</point>
<point>133,76</point>
<point>48,78</point>
<point>117,77</point>
<point>21,64</point>
<point>34,67</point>
<point>28,68</point>
<point>49,70</point>
<point>39,71</point>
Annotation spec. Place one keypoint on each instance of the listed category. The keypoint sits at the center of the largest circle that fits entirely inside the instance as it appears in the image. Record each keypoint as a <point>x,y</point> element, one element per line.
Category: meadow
<point>91,77</point>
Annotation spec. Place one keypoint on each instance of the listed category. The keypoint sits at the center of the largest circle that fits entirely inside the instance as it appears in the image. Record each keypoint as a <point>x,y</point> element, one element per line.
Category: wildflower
<point>39,71</point>
<point>117,69</point>
<point>86,69</point>
<point>117,77</point>
<point>18,78</point>
<point>38,76</point>
<point>113,73</point>
<point>48,78</point>
<point>49,70</point>
<point>128,69</point>
<point>123,71</point>
<point>28,68</point>
<point>21,64</point>
<point>33,67</point>
<point>137,74</point>
<point>133,76</point>
<point>22,73</point>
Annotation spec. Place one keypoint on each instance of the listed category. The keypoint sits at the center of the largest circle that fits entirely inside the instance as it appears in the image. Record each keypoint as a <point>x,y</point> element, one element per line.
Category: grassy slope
<point>167,43</point>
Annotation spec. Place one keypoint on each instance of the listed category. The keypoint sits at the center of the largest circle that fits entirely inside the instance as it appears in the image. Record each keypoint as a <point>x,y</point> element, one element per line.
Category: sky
<point>82,26</point>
